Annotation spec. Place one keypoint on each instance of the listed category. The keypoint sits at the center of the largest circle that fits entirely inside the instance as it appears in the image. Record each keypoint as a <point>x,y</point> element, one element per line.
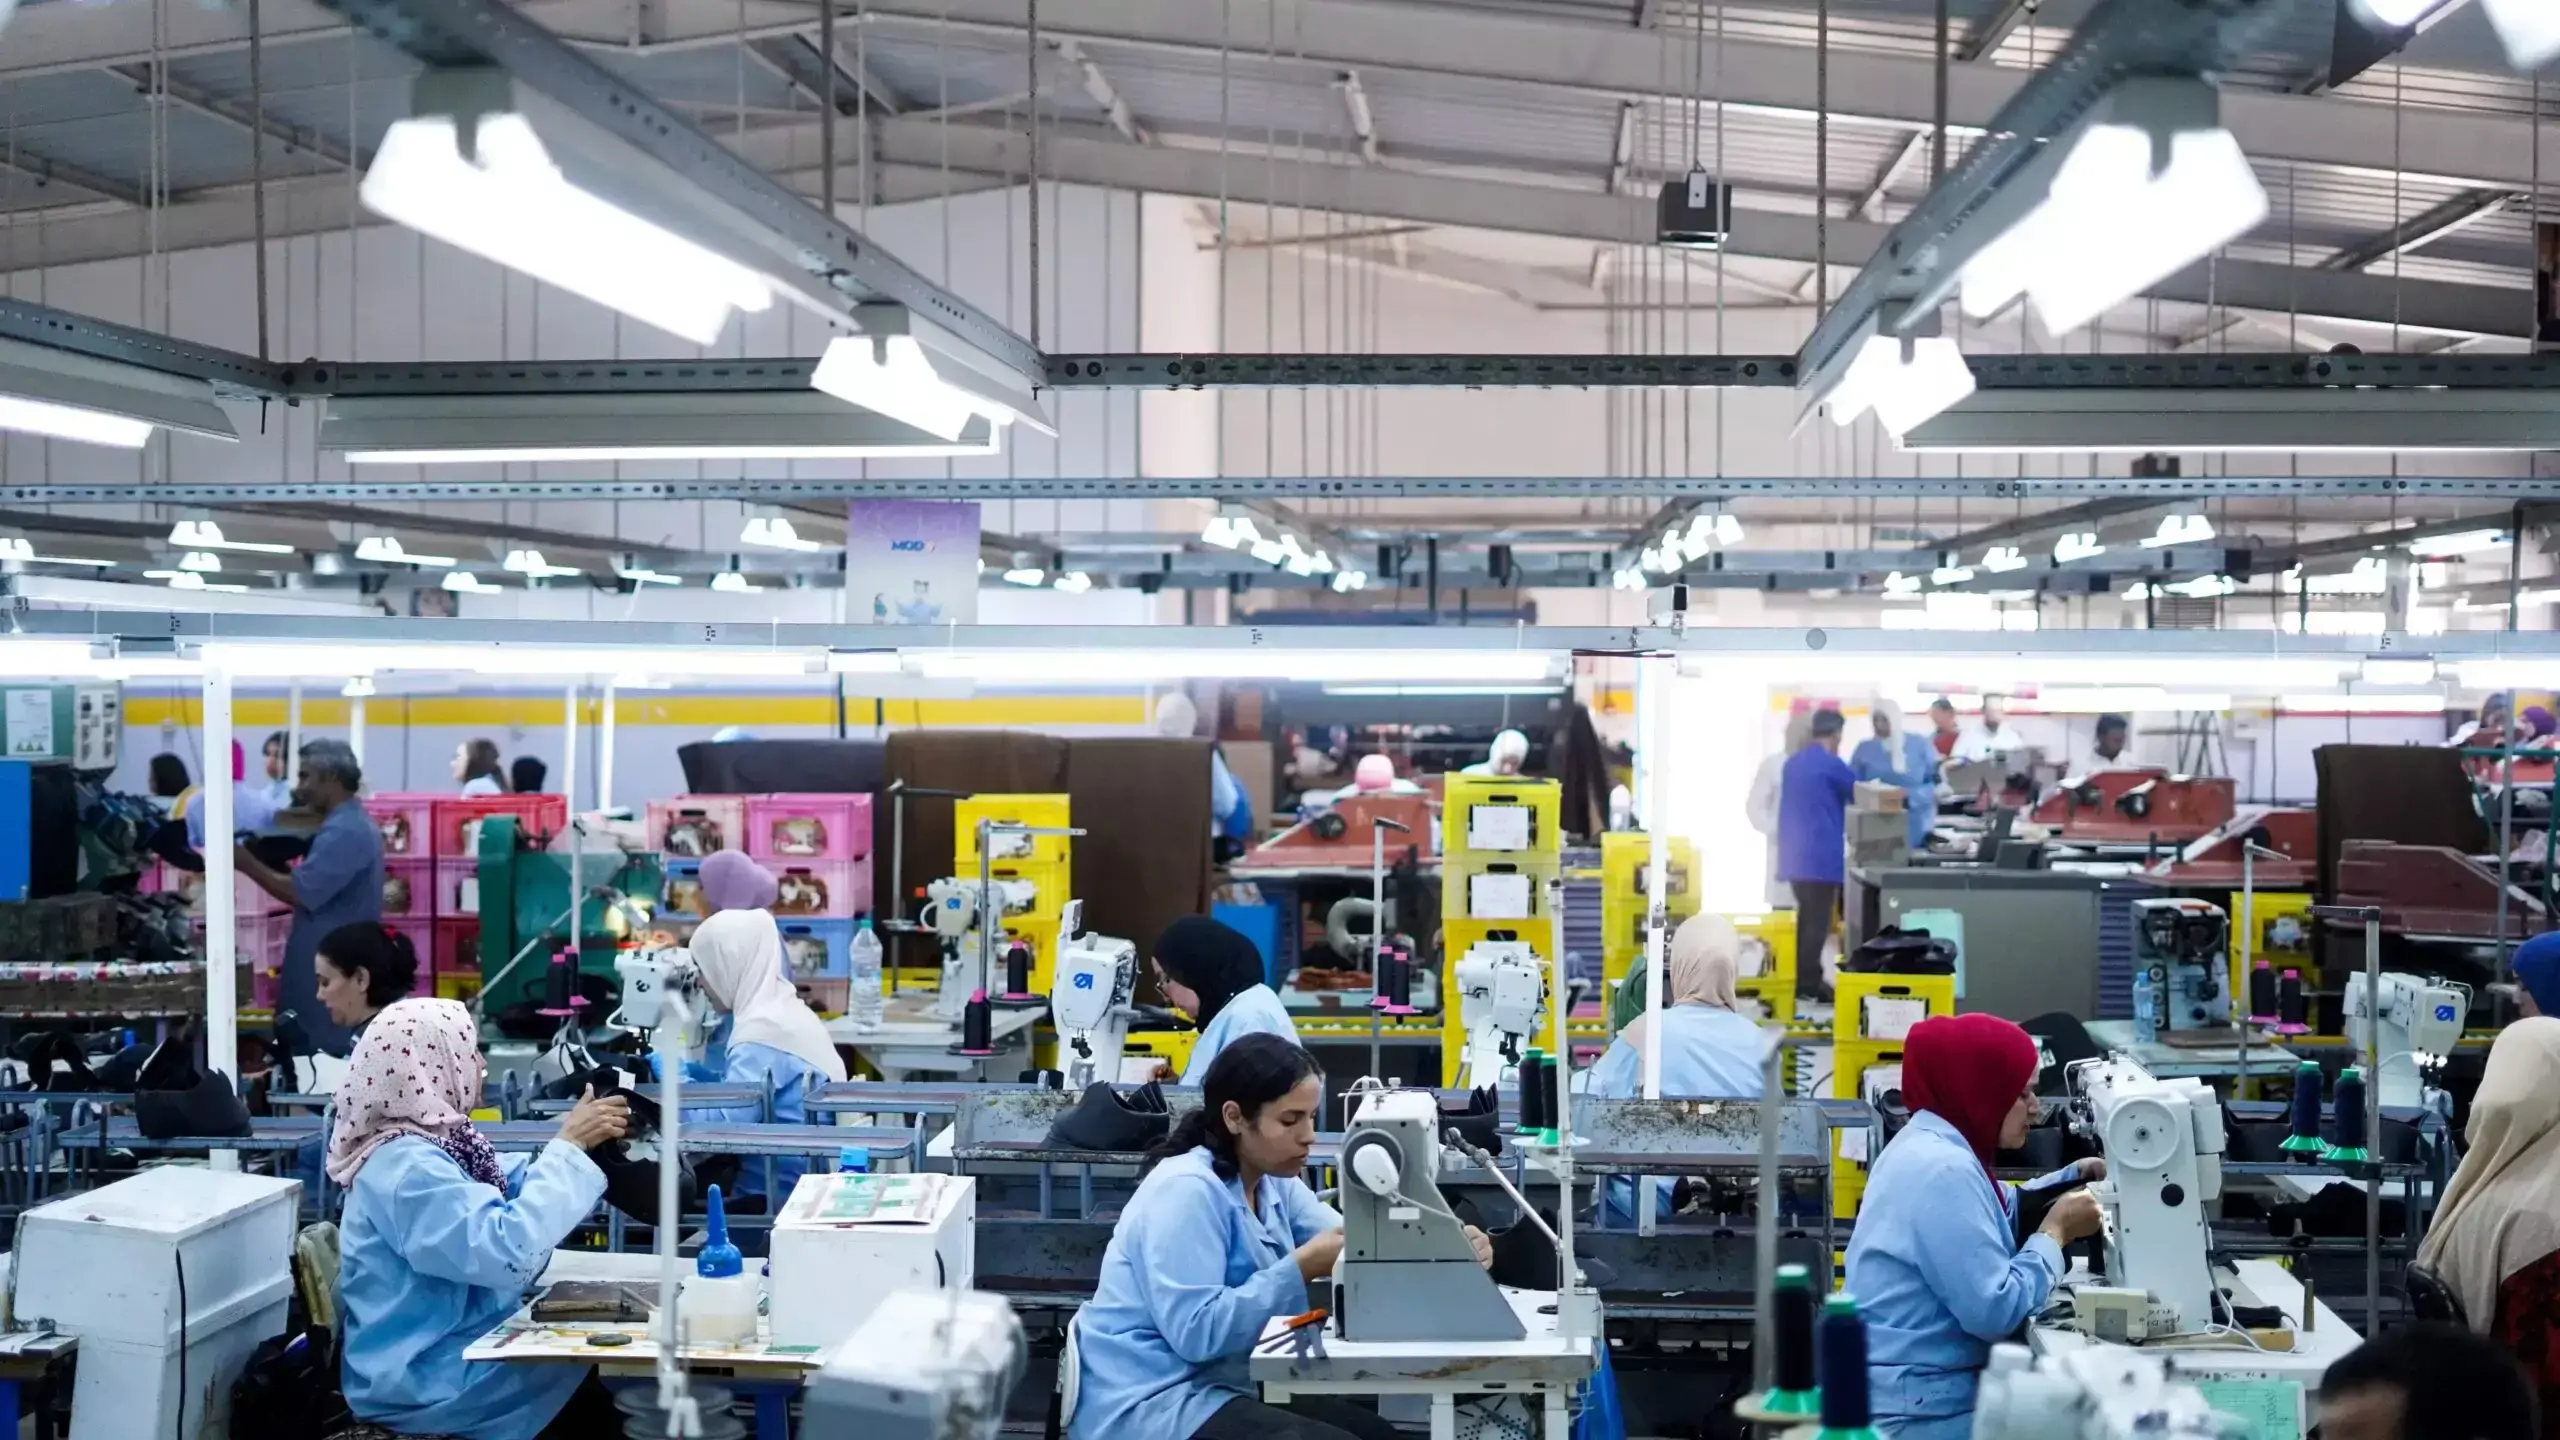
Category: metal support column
<point>221,900</point>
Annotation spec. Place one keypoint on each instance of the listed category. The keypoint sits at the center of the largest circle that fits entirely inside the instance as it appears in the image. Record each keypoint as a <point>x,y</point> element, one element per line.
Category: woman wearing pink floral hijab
<point>442,1237</point>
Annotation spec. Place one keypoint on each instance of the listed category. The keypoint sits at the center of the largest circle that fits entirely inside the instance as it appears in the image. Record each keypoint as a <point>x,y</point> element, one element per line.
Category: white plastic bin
<point>829,1276</point>
<point>108,1266</point>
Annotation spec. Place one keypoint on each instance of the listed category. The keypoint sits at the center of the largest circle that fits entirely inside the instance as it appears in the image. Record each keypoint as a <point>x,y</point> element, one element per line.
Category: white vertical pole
<point>604,748</point>
<point>221,908</point>
<point>292,729</point>
<point>1653,699</point>
<point>355,724</point>
<point>569,751</point>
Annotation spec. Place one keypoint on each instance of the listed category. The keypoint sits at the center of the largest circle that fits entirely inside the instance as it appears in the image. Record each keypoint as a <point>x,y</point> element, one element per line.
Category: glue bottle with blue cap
<point>720,1302</point>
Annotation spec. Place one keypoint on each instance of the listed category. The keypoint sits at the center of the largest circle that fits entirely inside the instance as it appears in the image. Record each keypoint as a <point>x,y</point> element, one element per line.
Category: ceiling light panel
<point>69,396</point>
<point>571,426</point>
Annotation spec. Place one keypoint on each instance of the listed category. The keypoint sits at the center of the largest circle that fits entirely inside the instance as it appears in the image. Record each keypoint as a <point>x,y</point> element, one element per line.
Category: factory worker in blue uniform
<point>765,1035</point>
<point>1935,1263</point>
<point>1710,1049</point>
<point>442,1238</point>
<point>1221,1238</point>
<point>1212,973</point>
<point>1895,756</point>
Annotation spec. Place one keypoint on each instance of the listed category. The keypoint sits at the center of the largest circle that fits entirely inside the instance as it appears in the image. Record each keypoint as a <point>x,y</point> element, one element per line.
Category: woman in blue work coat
<point>1710,1049</point>
<point>1935,1262</point>
<point>1214,975</point>
<point>765,1038</point>
<point>441,1237</point>
<point>1222,1237</point>
<point>1895,756</point>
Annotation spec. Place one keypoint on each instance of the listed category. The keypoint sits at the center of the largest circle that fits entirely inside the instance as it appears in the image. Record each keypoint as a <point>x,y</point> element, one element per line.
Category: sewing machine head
<point>650,980</point>
<point>1089,995</point>
<point>2417,1017</point>
<point>1408,1271</point>
<point>2163,1145</point>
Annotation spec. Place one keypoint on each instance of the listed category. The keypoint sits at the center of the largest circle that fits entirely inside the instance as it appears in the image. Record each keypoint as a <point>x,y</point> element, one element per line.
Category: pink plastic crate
<point>407,823</point>
<point>823,887</point>
<point>408,889</point>
<point>457,822</point>
<point>457,888</point>
<point>263,985</point>
<point>261,940</point>
<point>796,828</point>
<point>689,827</point>
<point>457,950</point>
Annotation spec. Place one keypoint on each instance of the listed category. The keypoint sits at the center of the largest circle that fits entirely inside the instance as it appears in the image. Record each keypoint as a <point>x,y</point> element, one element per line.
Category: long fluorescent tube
<point>864,662</point>
<point>387,550</point>
<point>2412,704</point>
<point>1903,379</point>
<point>207,535</point>
<point>2078,546</point>
<point>1104,667</point>
<point>1073,582</point>
<point>2001,559</point>
<point>287,659</point>
<point>2147,185</point>
<point>2186,529</point>
<point>1346,581</point>
<point>2397,672</point>
<point>1950,575</point>
<point>2508,674</point>
<point>919,374</point>
<point>508,201</point>
<point>463,582</point>
<point>773,532</point>
<point>23,550</point>
<point>1025,575</point>
<point>569,425</point>
<point>64,395</point>
<point>2338,420</point>
<point>731,582</point>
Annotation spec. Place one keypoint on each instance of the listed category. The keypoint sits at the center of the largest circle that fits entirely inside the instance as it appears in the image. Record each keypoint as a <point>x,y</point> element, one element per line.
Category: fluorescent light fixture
<point>2001,559</point>
<point>2186,529</point>
<point>1269,550</point>
<point>1346,581</point>
<point>2204,587</point>
<point>730,582</point>
<point>1073,582</point>
<point>1137,667</point>
<point>2342,704</point>
<point>1898,583</point>
<point>2464,543</point>
<point>2508,673</point>
<point>64,395</point>
<point>2530,29</point>
<point>359,688</point>
<point>773,532</point>
<point>640,425</point>
<point>2397,672</point>
<point>287,659</point>
<point>463,582</point>
<point>864,662</point>
<point>387,550</point>
<point>1655,560</point>
<point>919,374</point>
<point>2147,185</point>
<point>23,550</point>
<point>532,566</point>
<point>508,200</point>
<point>1950,575</point>
<point>202,562</point>
<point>2077,546</point>
<point>1025,575</point>
<point>643,575</point>
<point>1631,577</point>
<point>207,535</point>
<point>1904,379</point>
<point>2542,596</point>
<point>1708,530</point>
<point>1222,532</point>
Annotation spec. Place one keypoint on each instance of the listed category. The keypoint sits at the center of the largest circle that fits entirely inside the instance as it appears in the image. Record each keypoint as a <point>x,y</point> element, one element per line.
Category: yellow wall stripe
<point>705,712</point>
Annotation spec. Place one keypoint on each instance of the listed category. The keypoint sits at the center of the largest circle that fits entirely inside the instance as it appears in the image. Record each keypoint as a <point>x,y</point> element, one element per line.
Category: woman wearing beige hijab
<point>2496,1237</point>
<point>1710,1049</point>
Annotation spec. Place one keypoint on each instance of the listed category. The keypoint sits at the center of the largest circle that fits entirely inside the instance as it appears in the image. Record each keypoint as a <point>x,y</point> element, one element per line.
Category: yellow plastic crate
<point>1464,794</point>
<point>1048,811</point>
<point>2267,908</point>
<point>1457,936</point>
<point>1464,887</point>
<point>1849,1017</point>
<point>457,987</point>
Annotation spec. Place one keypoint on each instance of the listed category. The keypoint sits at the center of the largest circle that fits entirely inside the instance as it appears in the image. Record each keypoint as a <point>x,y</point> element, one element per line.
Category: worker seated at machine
<point>1936,1261</point>
<point>763,1036</point>
<point>1212,973</point>
<point>2495,1241</point>
<point>442,1236</point>
<point>1710,1050</point>
<point>1221,1238</point>
<point>363,969</point>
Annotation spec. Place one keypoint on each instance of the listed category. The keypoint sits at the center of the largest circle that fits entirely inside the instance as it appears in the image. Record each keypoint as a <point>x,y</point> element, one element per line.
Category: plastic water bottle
<point>866,978</point>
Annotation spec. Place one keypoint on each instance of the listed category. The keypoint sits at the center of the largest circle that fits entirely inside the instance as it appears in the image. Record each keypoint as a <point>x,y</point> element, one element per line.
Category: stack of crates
<point>819,849</point>
<point>1047,861</point>
<point>1501,847</point>
<point>1871,1017</point>
<point>1773,989</point>
<point>1624,858</point>
<point>431,874</point>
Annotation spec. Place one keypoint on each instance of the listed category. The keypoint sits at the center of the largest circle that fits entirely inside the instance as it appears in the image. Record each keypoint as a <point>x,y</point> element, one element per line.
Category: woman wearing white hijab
<point>1897,757</point>
<point>1710,1049</point>
<point>765,1035</point>
<point>2496,1237</point>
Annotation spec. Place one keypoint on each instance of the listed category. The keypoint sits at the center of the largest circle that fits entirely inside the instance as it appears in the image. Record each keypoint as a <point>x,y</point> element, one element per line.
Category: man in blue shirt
<point>1814,789</point>
<point>339,881</point>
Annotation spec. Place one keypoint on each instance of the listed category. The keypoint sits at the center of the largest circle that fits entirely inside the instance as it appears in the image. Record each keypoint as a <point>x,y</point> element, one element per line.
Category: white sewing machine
<point>2163,1145</point>
<point>2419,1022</point>
<point>1089,995</point>
<point>927,1365</point>
<point>951,913</point>
<point>2103,1392</point>
<point>1502,990</point>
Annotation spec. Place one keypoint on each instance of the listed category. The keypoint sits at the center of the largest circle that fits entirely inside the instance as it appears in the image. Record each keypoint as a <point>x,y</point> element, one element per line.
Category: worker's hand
<point>1316,1257</point>
<point>1165,1073</point>
<point>241,859</point>
<point>1483,1246</point>
<point>593,1122</point>
<point>2092,1169</point>
<point>2073,1217</point>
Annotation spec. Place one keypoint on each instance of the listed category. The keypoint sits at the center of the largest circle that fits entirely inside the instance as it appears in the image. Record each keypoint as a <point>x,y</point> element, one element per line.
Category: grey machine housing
<point>1408,1271</point>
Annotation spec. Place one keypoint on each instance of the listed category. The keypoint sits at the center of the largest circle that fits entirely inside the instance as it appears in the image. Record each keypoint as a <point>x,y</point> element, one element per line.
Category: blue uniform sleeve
<point>1619,1072</point>
<point>335,862</point>
<point>753,1065</point>
<point>1200,1316</point>
<point>1988,1285</point>
<point>1843,782</point>
<point>1308,1217</point>
<point>457,1229</point>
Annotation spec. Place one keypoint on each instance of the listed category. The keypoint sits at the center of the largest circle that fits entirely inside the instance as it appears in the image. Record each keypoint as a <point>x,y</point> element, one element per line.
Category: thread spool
<point>1533,1096</point>
<point>1792,1378</point>
<point>2262,994</point>
<point>1840,1347</point>
<point>2303,1137</point>
<point>2293,1007</point>
<point>977,1026</point>
<point>1017,972</point>
<point>560,985</point>
<point>2346,1119</point>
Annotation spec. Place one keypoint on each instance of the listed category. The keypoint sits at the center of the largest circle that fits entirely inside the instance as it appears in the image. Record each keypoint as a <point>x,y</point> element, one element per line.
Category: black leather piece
<point>1478,1121</point>
<point>1894,951</point>
<point>1106,1121</point>
<point>174,1096</point>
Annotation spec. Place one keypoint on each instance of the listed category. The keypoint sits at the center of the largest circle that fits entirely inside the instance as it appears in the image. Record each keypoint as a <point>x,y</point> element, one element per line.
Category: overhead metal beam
<point>46,172</point>
<point>1099,89</point>
<point>1995,30</point>
<point>2054,522</point>
<point>1903,159</point>
<point>796,60</point>
<point>2369,540</point>
<point>2422,229</point>
<point>238,116</point>
<point>229,372</point>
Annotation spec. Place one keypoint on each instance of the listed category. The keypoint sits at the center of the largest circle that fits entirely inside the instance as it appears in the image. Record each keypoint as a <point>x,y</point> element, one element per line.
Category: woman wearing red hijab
<point>1935,1261</point>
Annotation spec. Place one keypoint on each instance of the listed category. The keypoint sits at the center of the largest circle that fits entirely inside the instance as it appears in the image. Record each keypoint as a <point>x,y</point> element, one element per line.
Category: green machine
<point>80,723</point>
<point>524,899</point>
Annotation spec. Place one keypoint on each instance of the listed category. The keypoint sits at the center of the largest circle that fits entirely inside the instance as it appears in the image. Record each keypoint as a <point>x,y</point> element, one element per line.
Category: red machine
<point>2432,890</point>
<point>2135,807</point>
<point>1341,835</point>
<point>2214,862</point>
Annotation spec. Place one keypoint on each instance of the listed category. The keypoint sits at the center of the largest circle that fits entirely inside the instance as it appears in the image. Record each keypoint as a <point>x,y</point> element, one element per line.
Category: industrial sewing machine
<point>952,906</point>
<point>2102,1392</point>
<point>2163,1146</point>
<point>1089,997</point>
<point>927,1365</point>
<point>1407,1271</point>
<point>2181,968</point>
<point>2419,1022</point>
<point>1502,991</point>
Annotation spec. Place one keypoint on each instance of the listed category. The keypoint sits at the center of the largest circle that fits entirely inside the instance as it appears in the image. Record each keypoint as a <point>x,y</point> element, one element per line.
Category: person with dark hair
<point>363,968</point>
<point>475,768</point>
<point>527,775</point>
<point>2427,1381</point>
<point>1212,973</point>
<point>1222,1237</point>
<point>1814,789</point>
<point>276,774</point>
<point>169,779</point>
<point>1943,729</point>
<point>338,882</point>
<point>2108,744</point>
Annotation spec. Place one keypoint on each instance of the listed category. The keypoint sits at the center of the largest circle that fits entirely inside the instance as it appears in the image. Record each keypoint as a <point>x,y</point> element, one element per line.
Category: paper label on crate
<point>1891,1019</point>
<point>30,722</point>
<point>879,1200</point>
<point>1498,897</point>
<point>1498,827</point>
